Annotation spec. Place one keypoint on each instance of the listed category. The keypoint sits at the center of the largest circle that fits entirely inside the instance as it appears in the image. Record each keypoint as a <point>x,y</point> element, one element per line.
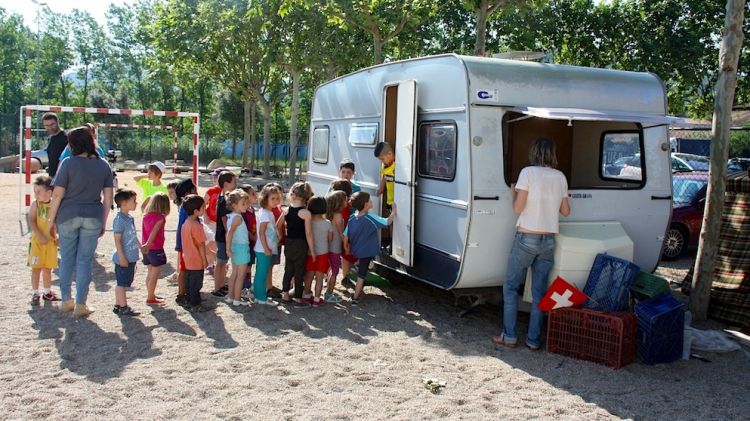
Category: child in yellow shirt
<point>384,153</point>
<point>42,248</point>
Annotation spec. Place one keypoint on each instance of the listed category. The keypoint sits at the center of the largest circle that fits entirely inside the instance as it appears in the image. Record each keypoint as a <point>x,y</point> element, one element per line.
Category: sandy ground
<point>334,362</point>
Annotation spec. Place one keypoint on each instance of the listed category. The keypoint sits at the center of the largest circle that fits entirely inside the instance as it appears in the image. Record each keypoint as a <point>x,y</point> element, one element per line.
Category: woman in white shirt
<point>540,194</point>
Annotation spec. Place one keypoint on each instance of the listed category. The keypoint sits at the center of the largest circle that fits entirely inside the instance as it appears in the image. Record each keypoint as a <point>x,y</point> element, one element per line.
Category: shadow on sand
<point>86,349</point>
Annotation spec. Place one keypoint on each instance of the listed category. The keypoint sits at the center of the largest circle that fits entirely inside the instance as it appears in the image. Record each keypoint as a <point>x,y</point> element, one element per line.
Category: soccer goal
<point>24,142</point>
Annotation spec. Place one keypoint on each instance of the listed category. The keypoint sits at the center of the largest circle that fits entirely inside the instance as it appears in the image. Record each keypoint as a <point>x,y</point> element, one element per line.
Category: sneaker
<point>35,299</point>
<point>273,292</point>
<point>246,293</point>
<point>155,301</point>
<point>219,293</point>
<point>116,309</point>
<point>127,311</point>
<point>228,299</point>
<point>82,310</point>
<point>50,296</point>
<point>355,302</point>
<point>317,303</point>
<point>181,301</point>
<point>268,302</point>
<point>225,288</point>
<point>332,298</point>
<point>308,300</point>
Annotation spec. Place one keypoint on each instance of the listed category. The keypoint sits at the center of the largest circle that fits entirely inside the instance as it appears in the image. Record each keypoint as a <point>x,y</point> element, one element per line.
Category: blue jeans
<point>78,240</point>
<point>538,252</point>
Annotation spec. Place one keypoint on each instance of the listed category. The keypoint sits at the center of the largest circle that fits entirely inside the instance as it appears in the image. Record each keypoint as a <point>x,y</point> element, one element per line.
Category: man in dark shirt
<point>58,140</point>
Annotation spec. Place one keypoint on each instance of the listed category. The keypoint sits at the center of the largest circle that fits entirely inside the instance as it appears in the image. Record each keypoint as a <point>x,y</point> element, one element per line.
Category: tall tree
<point>89,42</point>
<point>483,9</point>
<point>729,55</point>
<point>15,41</point>
<point>382,20</point>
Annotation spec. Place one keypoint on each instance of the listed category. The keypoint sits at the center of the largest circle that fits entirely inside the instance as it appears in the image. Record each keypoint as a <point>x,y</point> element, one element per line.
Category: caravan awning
<point>571,114</point>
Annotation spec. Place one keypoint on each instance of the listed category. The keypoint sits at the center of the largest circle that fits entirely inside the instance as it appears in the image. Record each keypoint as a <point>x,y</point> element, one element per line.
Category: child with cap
<point>151,182</point>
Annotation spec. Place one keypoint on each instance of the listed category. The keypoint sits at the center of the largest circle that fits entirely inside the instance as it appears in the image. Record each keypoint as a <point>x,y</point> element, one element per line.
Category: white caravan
<point>461,128</point>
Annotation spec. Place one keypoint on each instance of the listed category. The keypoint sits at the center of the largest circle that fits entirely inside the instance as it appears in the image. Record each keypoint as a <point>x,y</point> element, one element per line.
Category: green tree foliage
<point>15,41</point>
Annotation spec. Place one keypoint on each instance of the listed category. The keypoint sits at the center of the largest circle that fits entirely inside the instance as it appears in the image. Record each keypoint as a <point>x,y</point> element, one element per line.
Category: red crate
<point>604,338</point>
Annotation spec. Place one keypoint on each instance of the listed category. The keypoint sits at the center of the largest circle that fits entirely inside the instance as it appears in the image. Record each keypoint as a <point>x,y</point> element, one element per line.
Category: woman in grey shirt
<point>81,202</point>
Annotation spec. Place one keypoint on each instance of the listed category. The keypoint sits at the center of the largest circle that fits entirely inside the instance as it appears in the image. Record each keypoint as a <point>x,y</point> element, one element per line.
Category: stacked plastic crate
<point>605,331</point>
<point>661,324</point>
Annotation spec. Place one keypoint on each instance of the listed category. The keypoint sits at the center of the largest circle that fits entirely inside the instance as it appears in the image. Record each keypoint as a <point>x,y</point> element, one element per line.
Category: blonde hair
<point>335,201</point>
<point>159,204</point>
<point>303,190</point>
<point>265,194</point>
<point>235,197</point>
<point>542,153</point>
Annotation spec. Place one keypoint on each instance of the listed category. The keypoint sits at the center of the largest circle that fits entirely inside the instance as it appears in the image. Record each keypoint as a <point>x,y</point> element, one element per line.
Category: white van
<point>461,128</point>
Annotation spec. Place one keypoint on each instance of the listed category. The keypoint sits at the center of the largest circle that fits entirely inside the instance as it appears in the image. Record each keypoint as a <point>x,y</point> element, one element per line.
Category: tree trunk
<point>247,106</point>
<point>293,125</point>
<point>378,46</point>
<point>481,39</point>
<point>267,108</point>
<point>253,120</point>
<point>708,246</point>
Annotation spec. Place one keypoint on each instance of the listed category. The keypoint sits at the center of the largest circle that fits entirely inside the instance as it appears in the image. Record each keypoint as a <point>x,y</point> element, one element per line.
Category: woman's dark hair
<point>81,140</point>
<point>542,153</point>
<point>317,205</point>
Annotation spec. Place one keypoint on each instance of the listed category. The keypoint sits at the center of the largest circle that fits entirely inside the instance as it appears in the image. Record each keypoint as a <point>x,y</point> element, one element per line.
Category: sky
<point>28,9</point>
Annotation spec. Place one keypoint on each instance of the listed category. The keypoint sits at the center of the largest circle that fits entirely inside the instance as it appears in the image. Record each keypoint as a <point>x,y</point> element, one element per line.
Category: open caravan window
<point>594,150</point>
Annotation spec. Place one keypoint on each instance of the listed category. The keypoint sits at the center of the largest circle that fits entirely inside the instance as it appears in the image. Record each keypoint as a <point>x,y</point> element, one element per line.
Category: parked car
<point>694,162</point>
<point>688,199</point>
<point>738,164</point>
<point>625,167</point>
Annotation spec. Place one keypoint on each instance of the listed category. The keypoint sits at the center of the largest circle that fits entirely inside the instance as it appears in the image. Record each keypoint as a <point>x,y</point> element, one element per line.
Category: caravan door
<point>404,181</point>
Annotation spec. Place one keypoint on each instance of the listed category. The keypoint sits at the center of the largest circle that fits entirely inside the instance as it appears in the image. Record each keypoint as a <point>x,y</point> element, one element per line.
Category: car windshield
<point>696,162</point>
<point>684,190</point>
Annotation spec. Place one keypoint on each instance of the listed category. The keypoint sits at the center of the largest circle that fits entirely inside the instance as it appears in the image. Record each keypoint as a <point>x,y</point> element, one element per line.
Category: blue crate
<point>661,324</point>
<point>608,286</point>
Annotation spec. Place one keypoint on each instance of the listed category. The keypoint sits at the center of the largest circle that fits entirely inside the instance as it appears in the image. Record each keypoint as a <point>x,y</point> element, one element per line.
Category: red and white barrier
<point>24,137</point>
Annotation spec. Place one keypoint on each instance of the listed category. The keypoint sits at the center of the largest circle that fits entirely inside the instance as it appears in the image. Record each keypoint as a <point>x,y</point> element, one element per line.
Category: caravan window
<point>621,156</point>
<point>363,134</point>
<point>437,150</point>
<point>320,144</point>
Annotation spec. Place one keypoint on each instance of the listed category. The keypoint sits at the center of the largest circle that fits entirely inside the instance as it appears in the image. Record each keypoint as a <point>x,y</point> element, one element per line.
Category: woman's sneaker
<point>35,299</point>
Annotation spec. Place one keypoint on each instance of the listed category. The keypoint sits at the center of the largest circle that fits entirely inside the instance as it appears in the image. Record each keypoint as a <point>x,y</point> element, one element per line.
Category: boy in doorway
<point>384,153</point>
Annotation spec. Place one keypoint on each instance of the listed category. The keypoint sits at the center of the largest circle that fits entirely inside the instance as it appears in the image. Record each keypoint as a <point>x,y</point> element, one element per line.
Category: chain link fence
<point>690,158</point>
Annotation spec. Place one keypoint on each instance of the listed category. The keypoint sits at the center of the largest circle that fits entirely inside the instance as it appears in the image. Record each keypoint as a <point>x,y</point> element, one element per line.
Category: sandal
<point>500,340</point>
